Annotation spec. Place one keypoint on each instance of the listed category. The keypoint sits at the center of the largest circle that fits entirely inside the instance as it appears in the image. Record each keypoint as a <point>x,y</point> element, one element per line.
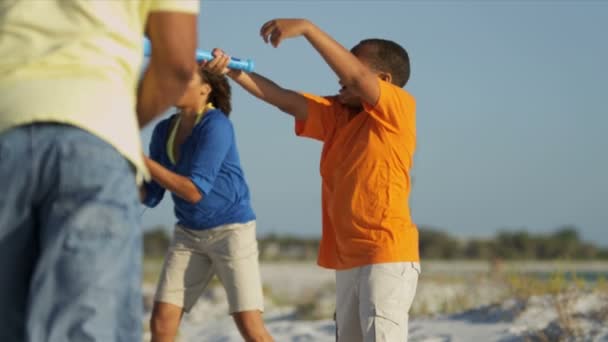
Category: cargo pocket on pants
<point>388,324</point>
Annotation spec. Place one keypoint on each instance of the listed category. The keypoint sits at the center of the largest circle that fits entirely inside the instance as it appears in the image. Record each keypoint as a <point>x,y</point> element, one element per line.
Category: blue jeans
<point>70,240</point>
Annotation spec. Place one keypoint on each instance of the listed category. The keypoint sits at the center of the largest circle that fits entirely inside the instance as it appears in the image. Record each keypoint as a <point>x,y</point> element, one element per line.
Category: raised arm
<point>259,86</point>
<point>172,63</point>
<point>266,90</point>
<point>352,72</point>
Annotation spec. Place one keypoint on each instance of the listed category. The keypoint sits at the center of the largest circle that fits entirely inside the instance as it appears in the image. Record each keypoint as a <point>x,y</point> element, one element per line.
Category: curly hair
<point>221,92</point>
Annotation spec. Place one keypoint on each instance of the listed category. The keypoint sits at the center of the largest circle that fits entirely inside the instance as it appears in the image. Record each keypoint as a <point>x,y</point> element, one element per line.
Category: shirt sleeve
<point>395,108</point>
<point>214,141</point>
<point>321,118</point>
<point>187,6</point>
<point>155,192</point>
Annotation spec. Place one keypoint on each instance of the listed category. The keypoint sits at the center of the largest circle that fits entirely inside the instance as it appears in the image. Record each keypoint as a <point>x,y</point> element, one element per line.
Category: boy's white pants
<point>373,301</point>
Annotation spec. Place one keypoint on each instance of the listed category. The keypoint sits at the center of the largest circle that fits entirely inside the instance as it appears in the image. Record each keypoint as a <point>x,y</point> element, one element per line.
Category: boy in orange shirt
<point>368,131</point>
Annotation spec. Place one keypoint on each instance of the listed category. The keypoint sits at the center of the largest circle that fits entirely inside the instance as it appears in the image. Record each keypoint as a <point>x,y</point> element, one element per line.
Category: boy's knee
<point>162,331</point>
<point>160,327</point>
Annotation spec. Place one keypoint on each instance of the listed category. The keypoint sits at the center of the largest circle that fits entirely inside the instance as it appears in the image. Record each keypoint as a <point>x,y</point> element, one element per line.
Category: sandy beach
<point>455,301</point>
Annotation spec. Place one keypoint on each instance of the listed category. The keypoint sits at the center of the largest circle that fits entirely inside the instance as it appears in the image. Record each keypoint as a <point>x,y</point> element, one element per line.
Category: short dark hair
<point>388,56</point>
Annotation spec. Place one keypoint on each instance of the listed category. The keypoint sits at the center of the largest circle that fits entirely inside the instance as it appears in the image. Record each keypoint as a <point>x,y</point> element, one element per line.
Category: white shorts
<point>230,251</point>
<point>373,301</point>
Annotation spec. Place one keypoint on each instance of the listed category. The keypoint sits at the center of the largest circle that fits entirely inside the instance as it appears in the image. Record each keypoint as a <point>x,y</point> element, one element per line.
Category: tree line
<point>563,243</point>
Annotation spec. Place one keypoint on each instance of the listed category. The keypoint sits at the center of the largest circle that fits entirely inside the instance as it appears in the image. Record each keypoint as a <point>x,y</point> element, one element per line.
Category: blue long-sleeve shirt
<point>209,157</point>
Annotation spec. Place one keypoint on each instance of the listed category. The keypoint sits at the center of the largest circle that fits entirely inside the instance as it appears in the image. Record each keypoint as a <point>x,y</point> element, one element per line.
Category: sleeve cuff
<point>152,199</point>
<point>375,107</point>
<point>299,127</point>
<point>203,185</point>
<point>187,6</point>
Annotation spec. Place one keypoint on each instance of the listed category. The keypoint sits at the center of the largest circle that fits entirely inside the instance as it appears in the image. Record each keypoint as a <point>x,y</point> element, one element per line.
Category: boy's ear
<point>385,76</point>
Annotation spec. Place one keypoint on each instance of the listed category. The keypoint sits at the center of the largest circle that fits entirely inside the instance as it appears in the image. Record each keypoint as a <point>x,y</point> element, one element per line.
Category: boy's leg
<point>18,242</point>
<point>234,250</point>
<point>86,285</point>
<point>385,296</point>
<point>186,273</point>
<point>348,325</point>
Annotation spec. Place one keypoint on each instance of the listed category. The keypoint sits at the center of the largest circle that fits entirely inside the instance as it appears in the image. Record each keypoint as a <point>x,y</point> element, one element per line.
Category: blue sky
<point>512,110</point>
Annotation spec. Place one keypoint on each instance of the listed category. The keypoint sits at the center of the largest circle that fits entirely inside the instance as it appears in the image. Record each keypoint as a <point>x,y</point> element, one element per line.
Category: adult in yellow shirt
<point>70,158</point>
<point>369,136</point>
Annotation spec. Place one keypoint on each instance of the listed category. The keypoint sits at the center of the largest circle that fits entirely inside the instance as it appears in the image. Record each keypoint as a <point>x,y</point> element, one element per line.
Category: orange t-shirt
<point>365,171</point>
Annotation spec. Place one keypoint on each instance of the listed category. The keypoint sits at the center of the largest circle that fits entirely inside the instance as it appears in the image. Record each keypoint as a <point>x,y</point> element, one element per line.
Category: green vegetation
<point>564,243</point>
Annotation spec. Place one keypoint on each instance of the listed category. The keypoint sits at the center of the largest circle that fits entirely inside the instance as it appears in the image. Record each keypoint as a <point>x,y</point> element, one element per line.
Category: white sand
<point>510,321</point>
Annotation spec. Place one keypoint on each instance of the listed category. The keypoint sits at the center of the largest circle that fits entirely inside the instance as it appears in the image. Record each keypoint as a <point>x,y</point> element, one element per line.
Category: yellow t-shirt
<point>77,62</point>
<point>365,172</point>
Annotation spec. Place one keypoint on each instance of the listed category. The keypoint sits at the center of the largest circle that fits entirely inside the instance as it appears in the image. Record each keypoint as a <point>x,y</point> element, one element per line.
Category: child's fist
<point>274,31</point>
<point>219,63</point>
